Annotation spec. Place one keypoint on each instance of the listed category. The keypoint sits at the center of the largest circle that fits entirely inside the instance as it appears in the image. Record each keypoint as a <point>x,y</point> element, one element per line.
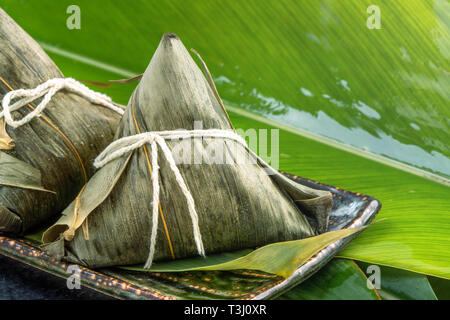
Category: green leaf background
<point>365,110</point>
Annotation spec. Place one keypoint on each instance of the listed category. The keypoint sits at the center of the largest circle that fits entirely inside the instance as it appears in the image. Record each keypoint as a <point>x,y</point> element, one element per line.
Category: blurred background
<point>313,65</point>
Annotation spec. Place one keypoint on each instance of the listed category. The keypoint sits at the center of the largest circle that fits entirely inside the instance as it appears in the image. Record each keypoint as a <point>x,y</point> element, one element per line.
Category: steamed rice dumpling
<point>45,162</point>
<point>237,204</point>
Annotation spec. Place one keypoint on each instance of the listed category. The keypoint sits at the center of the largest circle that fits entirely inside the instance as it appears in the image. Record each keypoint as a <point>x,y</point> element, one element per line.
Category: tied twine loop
<point>48,89</point>
<point>157,139</point>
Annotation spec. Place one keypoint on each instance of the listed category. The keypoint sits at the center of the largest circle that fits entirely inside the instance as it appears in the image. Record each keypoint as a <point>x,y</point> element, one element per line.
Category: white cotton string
<point>48,89</point>
<point>124,145</point>
<point>158,139</point>
<point>155,183</point>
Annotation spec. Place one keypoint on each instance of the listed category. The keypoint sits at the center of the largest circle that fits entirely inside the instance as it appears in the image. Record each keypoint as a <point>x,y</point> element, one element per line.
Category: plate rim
<point>129,290</point>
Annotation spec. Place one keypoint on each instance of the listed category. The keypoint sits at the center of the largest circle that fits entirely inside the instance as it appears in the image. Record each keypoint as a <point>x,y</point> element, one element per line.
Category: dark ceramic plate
<point>349,210</point>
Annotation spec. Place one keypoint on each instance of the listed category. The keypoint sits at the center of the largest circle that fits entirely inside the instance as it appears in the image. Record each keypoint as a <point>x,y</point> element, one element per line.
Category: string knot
<point>47,90</point>
<point>157,141</point>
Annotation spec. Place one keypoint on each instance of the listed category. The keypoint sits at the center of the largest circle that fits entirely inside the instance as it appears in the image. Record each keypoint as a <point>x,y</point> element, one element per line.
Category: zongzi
<point>203,207</point>
<point>45,157</point>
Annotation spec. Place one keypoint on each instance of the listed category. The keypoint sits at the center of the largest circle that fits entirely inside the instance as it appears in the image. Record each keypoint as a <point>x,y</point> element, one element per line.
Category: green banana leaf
<point>441,287</point>
<point>316,65</point>
<point>396,284</point>
<point>343,279</point>
<point>340,279</point>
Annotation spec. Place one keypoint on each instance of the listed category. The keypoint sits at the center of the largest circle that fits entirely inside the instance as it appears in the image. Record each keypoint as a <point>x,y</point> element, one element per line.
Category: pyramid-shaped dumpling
<point>44,163</point>
<point>238,205</point>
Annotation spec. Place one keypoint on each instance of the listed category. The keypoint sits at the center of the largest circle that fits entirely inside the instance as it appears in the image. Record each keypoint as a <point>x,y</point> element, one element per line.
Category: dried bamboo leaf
<point>138,77</point>
<point>6,142</point>
<point>96,191</point>
<point>16,173</point>
<point>9,221</point>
